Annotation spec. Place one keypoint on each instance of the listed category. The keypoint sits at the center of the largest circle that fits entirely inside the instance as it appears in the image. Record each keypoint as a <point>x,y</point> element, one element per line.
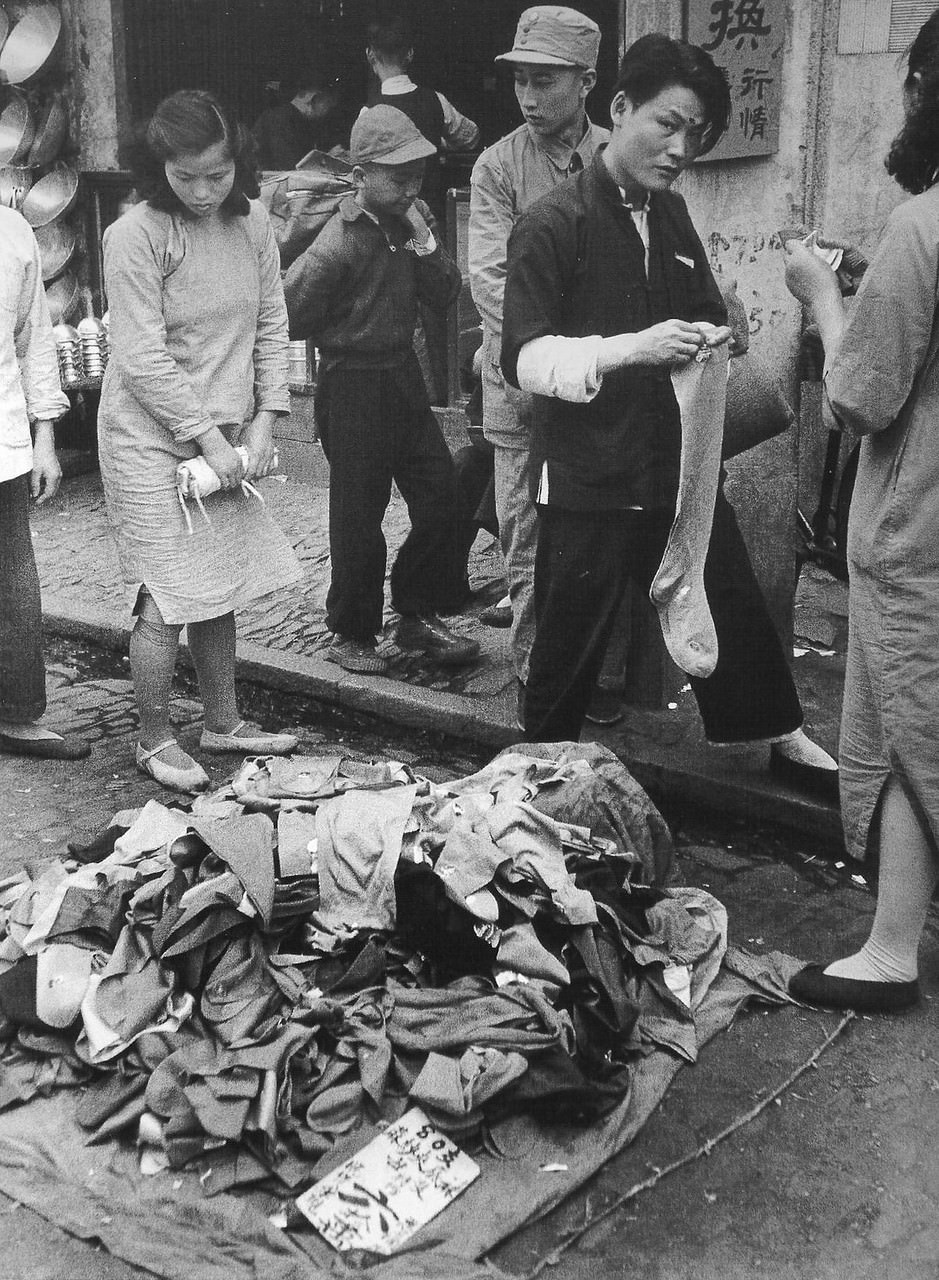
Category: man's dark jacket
<point>576,267</point>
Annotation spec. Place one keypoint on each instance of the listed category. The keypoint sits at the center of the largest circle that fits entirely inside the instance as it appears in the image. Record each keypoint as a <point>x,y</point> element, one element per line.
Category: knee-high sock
<point>909,871</point>
<point>677,589</point>
<point>212,645</point>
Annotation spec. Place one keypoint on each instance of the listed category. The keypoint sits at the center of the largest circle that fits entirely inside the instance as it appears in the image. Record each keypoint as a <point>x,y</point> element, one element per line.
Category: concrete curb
<point>475,719</point>
<point>724,790</point>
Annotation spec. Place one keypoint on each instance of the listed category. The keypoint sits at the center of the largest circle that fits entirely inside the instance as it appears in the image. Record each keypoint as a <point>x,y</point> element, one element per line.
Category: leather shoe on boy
<point>429,636</point>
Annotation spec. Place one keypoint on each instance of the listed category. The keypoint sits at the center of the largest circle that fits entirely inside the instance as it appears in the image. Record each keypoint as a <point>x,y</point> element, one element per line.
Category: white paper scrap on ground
<point>381,1196</point>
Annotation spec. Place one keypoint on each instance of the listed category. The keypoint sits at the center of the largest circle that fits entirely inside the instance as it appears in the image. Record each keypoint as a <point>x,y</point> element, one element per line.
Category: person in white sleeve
<point>31,399</point>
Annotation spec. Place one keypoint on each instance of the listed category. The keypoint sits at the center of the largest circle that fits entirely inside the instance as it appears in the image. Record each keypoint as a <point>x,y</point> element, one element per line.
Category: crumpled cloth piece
<point>155,827</point>
<point>100,1043</point>
<point>467,863</point>
<point>605,797</point>
<point>286,777</point>
<point>63,973</point>
<point>296,831</point>
<point>459,1086</point>
<point>240,993</point>
<point>521,951</point>
<point>511,777</point>
<point>359,839</point>
<point>246,844</point>
<point>533,843</point>
<point>92,914</point>
<point>468,1013</point>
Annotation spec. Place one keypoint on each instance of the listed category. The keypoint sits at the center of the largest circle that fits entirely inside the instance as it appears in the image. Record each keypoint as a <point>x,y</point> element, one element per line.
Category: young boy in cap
<point>355,293</point>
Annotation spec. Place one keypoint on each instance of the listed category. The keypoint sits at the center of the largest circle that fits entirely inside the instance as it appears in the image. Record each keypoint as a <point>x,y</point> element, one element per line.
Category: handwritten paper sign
<point>379,1197</point>
<point>746,39</point>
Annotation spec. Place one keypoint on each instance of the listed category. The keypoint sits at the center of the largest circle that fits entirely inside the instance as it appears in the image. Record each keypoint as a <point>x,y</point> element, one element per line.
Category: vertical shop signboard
<point>746,39</point>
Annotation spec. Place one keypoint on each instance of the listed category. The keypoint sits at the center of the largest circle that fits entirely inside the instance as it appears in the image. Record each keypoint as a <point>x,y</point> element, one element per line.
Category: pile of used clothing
<point>322,944</point>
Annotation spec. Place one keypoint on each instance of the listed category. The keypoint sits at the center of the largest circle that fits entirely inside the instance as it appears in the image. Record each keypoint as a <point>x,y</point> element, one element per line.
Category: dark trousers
<point>475,494</point>
<point>22,672</point>
<point>583,564</point>
<point>376,426</point>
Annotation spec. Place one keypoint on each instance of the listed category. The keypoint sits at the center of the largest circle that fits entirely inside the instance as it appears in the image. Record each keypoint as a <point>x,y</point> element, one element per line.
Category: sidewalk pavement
<point>282,638</point>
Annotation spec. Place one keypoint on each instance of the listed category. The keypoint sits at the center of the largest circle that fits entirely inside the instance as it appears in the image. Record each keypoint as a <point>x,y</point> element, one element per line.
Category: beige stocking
<point>677,589</point>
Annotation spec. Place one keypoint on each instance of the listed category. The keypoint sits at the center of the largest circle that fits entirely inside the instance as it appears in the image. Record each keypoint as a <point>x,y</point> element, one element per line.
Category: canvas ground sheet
<point>174,1226</point>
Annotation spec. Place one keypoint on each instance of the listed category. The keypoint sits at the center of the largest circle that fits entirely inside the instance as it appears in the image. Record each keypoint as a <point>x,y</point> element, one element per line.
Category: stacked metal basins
<point>34,177</point>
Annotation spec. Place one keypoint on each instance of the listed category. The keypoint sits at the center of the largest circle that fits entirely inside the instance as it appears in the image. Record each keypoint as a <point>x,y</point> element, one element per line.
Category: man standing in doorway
<point>553,61</point>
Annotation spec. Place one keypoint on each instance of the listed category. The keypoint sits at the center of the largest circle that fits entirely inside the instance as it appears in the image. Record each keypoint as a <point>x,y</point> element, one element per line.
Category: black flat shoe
<point>822,783</point>
<point>57,748</point>
<point>813,986</point>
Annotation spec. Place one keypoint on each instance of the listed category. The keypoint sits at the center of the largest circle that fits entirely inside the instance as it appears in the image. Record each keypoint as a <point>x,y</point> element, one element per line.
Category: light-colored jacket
<point>29,372</point>
<point>508,177</point>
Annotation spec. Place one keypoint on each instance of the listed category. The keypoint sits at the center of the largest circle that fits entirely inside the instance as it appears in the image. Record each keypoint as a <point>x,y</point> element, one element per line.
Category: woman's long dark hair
<point>186,123</point>
<point>914,154</point>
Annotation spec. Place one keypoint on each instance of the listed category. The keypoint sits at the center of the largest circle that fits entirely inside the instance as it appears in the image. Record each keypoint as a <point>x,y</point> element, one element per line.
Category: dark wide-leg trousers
<point>585,560</point>
<point>376,426</point>
<point>22,672</point>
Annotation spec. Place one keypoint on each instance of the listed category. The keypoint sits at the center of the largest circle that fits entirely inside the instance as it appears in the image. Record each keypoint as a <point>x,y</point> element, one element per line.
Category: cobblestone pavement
<point>285,633</point>
<point>77,557</point>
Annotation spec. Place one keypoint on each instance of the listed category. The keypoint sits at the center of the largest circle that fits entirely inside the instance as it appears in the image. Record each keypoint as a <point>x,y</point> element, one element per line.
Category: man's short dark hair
<point>390,39</point>
<point>656,62</point>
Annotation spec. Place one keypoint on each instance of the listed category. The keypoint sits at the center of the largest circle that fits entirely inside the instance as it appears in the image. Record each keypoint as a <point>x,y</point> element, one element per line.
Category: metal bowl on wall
<point>57,244</point>
<point>31,44</point>
<point>17,130</point>
<point>63,297</point>
<point>51,128</point>
<point>15,182</point>
<point>52,196</point>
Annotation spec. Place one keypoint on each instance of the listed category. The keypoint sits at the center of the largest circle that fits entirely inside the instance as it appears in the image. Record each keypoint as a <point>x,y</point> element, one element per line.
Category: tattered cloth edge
<point>166,1226</point>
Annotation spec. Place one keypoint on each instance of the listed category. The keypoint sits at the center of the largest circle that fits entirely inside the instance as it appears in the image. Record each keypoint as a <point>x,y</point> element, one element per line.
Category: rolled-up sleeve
<point>35,346</point>
<point>889,328</point>
<point>271,386</point>
<point>133,272</point>
<point>563,368</point>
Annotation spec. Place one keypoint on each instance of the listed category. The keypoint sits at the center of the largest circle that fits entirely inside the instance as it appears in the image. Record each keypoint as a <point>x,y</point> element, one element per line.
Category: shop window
<point>871,26</point>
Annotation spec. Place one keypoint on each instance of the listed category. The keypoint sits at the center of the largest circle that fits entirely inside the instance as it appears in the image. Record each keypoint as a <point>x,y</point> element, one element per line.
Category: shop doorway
<point>242,49</point>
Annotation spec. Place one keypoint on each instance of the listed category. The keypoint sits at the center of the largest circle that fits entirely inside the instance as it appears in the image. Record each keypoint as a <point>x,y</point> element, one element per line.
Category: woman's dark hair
<point>655,62</point>
<point>913,158</point>
<point>186,123</point>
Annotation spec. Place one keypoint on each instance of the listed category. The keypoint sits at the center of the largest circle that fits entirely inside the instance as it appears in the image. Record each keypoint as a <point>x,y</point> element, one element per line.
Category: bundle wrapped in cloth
<point>195,481</point>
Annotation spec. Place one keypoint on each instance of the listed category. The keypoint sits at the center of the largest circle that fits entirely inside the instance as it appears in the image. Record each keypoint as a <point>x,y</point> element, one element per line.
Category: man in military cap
<point>553,62</point>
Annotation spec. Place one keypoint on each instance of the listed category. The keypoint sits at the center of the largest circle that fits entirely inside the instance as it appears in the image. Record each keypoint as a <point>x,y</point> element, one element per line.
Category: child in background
<point>355,293</point>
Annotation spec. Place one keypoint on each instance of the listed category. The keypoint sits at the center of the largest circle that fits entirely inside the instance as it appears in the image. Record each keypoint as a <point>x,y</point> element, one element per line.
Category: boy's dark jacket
<point>356,289</point>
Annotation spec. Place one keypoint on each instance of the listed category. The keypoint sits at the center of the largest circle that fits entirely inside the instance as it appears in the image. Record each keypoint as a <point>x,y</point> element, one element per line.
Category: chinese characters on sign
<point>745,38</point>
<point>378,1198</point>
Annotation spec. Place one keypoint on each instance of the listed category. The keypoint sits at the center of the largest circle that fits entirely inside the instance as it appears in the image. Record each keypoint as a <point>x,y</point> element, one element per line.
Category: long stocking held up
<point>677,589</point>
